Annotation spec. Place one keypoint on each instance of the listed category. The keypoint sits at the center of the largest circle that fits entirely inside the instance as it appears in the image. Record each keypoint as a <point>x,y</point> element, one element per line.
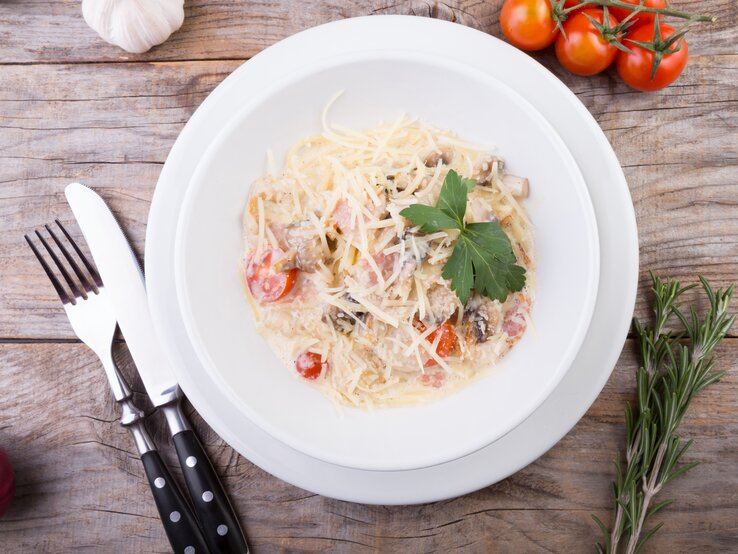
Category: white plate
<point>618,263</point>
<point>382,86</point>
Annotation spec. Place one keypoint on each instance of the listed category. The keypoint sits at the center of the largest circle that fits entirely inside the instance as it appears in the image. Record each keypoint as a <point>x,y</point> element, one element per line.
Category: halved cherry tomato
<point>266,284</point>
<point>581,48</point>
<point>642,18</point>
<point>634,67</point>
<point>309,365</point>
<point>446,344</point>
<point>528,24</point>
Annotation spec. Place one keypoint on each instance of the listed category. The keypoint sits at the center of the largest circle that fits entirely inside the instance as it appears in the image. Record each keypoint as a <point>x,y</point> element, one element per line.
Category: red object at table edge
<point>7,482</point>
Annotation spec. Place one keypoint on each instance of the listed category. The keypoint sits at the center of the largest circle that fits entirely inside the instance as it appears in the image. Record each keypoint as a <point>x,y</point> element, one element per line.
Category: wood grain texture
<point>81,487</point>
<point>73,108</point>
<point>231,29</point>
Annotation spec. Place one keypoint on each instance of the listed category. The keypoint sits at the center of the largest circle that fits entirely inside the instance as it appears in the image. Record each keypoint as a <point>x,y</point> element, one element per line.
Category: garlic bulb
<point>134,25</point>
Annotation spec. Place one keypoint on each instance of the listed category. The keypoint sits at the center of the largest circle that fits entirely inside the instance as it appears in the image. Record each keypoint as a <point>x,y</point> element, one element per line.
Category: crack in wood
<point>119,512</point>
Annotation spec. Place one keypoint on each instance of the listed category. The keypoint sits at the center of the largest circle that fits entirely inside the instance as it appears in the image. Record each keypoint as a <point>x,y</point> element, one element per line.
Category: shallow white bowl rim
<point>391,461</point>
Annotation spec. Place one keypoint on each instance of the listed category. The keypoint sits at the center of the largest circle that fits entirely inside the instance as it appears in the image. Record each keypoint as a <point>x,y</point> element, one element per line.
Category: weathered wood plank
<point>54,31</point>
<point>111,126</point>
<point>78,478</point>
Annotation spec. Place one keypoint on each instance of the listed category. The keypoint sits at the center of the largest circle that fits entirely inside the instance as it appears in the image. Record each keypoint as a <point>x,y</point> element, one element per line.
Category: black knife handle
<point>219,523</point>
<point>179,522</point>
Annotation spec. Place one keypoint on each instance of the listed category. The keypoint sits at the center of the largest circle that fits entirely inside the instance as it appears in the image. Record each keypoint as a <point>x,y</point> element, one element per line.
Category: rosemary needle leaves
<point>675,367</point>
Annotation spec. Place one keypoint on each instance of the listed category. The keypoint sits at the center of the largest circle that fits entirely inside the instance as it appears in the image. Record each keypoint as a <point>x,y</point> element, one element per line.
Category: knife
<point>121,273</point>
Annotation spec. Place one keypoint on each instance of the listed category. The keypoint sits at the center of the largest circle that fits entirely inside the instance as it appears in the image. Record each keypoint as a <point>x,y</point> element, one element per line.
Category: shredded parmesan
<point>262,224</point>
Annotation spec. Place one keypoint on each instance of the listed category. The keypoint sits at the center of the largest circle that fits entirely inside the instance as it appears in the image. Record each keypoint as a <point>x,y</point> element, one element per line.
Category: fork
<point>93,321</point>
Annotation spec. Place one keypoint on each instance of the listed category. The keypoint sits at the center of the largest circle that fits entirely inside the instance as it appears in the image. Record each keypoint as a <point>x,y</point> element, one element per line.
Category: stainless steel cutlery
<point>111,292</point>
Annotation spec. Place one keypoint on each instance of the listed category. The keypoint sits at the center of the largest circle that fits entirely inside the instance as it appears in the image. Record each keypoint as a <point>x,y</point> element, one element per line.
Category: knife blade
<point>121,273</point>
<point>124,281</point>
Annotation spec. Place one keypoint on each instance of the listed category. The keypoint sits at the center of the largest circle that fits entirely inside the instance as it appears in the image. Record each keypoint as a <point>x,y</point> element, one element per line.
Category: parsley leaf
<point>429,218</point>
<point>460,271</point>
<point>452,199</point>
<point>494,276</point>
<point>483,258</point>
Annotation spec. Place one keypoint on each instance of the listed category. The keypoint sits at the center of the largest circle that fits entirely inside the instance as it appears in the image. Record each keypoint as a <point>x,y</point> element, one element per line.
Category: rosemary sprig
<point>675,368</point>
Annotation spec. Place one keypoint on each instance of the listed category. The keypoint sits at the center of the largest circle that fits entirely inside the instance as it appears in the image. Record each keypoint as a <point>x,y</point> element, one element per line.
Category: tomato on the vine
<point>643,17</point>
<point>528,24</point>
<point>635,67</point>
<point>581,48</point>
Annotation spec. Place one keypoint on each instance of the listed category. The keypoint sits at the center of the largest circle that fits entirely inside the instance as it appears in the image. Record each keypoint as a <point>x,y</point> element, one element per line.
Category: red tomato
<point>572,3</point>
<point>266,284</point>
<point>642,18</point>
<point>581,48</point>
<point>446,344</point>
<point>7,482</point>
<point>634,67</point>
<point>309,365</point>
<point>528,24</point>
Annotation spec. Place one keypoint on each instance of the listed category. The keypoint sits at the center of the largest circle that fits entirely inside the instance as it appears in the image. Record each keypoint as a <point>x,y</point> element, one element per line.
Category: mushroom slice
<point>441,155</point>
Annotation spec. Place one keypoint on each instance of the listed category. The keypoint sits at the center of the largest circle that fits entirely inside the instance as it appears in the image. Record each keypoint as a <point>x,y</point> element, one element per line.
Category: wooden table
<point>75,108</point>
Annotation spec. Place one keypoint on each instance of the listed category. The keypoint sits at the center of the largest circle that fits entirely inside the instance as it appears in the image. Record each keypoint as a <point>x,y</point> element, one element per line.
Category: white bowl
<point>380,86</point>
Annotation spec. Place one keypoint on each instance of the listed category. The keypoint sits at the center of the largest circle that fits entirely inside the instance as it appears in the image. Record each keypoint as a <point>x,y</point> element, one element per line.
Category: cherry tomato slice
<point>309,365</point>
<point>446,344</point>
<point>266,284</point>
<point>528,24</point>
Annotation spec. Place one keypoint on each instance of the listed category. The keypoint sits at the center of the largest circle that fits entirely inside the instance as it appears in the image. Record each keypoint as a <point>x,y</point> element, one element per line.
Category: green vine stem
<point>637,8</point>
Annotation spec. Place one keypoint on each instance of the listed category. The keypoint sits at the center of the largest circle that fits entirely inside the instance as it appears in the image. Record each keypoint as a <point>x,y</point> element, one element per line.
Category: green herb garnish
<point>676,365</point>
<point>483,258</point>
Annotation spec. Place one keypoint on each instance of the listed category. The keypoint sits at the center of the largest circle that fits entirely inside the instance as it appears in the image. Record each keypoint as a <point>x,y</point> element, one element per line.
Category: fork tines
<point>85,283</point>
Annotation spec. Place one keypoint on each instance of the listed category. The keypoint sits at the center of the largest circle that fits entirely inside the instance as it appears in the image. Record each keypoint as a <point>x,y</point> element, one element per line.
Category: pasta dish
<point>352,295</point>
